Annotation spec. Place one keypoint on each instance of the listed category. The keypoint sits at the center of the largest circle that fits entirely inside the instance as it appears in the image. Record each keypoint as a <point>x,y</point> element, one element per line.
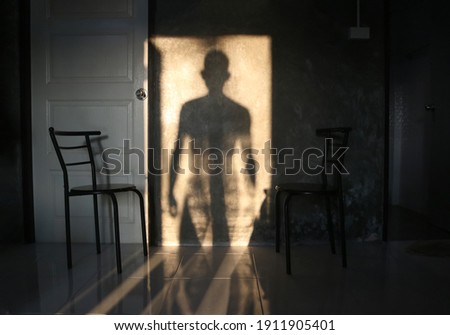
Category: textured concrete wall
<point>323,79</point>
<point>319,78</point>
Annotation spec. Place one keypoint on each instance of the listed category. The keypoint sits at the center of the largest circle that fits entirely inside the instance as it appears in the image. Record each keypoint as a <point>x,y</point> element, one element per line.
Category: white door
<point>88,59</point>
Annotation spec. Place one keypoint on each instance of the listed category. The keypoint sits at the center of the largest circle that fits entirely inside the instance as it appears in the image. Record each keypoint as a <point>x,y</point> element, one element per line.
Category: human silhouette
<point>215,126</point>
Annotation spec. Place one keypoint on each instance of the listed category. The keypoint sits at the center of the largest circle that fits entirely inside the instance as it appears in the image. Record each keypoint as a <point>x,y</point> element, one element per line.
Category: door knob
<point>141,94</point>
<point>430,107</point>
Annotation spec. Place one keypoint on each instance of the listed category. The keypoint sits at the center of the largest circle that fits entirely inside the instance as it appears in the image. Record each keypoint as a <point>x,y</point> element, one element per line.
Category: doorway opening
<point>415,146</point>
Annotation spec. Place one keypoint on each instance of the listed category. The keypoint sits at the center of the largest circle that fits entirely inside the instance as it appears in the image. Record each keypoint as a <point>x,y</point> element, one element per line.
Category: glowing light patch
<point>221,209</point>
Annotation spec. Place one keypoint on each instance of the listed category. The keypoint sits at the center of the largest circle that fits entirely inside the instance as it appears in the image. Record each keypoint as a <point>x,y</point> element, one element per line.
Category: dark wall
<point>323,79</point>
<point>11,195</point>
<point>320,78</point>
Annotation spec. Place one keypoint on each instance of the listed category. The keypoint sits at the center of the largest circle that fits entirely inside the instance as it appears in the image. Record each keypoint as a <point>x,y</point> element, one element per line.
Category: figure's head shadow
<point>215,71</point>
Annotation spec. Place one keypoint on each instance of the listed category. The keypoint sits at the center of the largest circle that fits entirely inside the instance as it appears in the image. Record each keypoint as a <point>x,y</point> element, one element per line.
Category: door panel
<point>410,133</point>
<point>419,120</point>
<point>88,59</point>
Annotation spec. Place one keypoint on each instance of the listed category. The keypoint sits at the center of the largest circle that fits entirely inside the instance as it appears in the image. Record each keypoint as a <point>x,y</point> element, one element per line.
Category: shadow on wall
<point>216,130</point>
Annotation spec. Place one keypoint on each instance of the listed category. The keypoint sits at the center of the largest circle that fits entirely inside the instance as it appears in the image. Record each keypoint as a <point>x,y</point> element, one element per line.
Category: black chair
<point>94,190</point>
<point>330,186</point>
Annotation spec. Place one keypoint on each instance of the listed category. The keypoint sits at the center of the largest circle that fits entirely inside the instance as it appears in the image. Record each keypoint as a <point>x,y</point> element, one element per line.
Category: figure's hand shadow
<point>173,206</point>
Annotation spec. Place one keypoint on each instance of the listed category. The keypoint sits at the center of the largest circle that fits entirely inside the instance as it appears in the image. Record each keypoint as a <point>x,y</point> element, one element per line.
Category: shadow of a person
<point>214,126</point>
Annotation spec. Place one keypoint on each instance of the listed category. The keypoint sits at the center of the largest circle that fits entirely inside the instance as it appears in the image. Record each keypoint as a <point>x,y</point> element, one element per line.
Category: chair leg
<point>342,228</point>
<point>97,228</point>
<point>117,232</point>
<point>277,220</point>
<point>287,233</point>
<point>144,230</point>
<point>68,237</point>
<point>330,225</point>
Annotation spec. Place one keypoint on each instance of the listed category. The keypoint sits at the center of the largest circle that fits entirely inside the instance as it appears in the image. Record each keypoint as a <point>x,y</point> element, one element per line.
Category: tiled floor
<point>382,278</point>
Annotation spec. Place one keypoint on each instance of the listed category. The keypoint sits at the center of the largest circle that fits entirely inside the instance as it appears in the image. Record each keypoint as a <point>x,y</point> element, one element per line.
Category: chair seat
<point>304,188</point>
<point>102,188</point>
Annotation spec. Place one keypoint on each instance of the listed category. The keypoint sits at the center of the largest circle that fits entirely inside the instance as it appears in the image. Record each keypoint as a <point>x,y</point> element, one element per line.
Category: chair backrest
<point>336,145</point>
<point>88,146</point>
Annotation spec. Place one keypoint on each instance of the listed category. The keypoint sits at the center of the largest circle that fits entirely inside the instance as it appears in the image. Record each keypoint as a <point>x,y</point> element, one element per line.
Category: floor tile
<point>217,265</point>
<point>213,296</point>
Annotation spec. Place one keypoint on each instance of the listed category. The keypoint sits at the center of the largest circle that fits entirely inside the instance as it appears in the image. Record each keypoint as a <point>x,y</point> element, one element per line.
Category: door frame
<point>25,117</point>
<point>387,69</point>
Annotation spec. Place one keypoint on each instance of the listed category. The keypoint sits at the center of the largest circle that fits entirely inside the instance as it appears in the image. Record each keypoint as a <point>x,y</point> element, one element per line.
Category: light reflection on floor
<point>382,278</point>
